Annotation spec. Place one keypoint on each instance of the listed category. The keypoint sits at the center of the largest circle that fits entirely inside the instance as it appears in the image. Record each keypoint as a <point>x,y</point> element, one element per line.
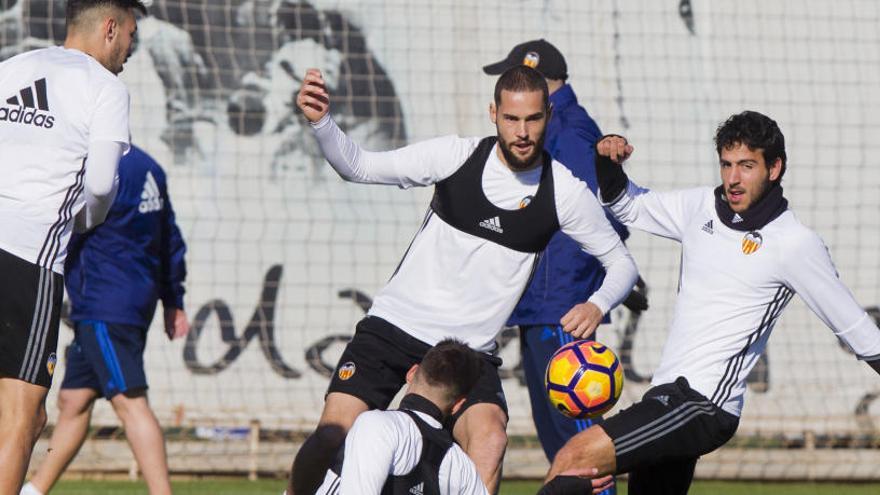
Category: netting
<point>284,257</point>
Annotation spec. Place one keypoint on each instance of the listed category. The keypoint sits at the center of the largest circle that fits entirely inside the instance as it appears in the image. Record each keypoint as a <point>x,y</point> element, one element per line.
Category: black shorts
<point>671,424</point>
<point>373,367</point>
<point>30,310</point>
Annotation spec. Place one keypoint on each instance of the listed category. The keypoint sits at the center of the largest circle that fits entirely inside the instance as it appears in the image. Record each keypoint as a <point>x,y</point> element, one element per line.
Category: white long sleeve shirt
<point>57,106</point>
<point>454,284</point>
<point>731,293</point>
<point>388,443</point>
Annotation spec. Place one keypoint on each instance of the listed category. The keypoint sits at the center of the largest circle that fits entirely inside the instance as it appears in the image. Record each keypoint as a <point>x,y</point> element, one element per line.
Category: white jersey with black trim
<point>54,102</point>
<point>454,284</point>
<point>734,286</point>
<point>388,443</point>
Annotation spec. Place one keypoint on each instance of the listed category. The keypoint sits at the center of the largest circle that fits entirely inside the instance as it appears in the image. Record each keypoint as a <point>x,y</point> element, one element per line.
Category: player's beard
<point>520,164</point>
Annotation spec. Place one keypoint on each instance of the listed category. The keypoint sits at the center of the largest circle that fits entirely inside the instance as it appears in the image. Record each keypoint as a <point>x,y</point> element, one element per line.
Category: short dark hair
<point>453,366</point>
<point>521,78</point>
<point>755,130</point>
<point>75,8</point>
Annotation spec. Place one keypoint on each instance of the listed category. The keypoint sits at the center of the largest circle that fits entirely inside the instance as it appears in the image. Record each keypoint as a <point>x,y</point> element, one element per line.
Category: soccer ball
<point>584,379</point>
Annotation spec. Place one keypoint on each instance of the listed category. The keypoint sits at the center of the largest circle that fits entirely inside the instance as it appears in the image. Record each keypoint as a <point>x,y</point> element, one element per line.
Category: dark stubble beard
<point>515,162</point>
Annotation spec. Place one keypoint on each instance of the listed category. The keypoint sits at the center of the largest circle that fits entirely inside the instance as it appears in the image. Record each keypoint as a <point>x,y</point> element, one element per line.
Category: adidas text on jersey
<point>27,109</point>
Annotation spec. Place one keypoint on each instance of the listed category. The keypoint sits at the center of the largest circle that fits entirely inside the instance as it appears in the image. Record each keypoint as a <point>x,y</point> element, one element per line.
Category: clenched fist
<point>313,98</point>
<point>615,147</point>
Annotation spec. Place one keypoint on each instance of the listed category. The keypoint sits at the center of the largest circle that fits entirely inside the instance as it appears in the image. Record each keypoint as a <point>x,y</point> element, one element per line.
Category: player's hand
<point>581,320</point>
<point>615,147</point>
<point>602,484</point>
<point>637,300</point>
<point>313,98</point>
<point>176,323</point>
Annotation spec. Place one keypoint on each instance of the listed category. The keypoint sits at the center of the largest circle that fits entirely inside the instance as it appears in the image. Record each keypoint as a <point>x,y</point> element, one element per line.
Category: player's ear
<point>110,28</point>
<point>776,169</point>
<point>493,112</point>
<point>411,374</point>
<point>457,405</point>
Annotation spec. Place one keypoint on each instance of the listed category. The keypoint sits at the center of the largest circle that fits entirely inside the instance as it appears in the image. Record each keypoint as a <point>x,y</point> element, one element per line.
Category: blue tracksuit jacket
<point>118,271</point>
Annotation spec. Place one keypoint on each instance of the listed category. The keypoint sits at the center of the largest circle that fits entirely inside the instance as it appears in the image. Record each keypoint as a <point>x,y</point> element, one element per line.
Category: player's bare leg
<point>318,451</point>
<point>144,434</point>
<point>22,418</point>
<point>74,414</point>
<point>590,453</point>
<point>482,433</point>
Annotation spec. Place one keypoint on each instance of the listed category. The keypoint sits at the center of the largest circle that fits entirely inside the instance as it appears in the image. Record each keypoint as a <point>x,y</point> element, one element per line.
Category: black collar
<point>770,206</point>
<point>415,402</point>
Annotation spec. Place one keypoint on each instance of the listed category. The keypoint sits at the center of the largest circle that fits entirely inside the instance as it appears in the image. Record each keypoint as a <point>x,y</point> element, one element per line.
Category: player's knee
<point>130,405</point>
<point>39,422</point>
<point>70,404</point>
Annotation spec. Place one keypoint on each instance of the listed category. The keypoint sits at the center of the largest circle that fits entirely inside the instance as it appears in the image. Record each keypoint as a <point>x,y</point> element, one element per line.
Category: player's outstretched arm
<point>419,164</point>
<point>660,213</point>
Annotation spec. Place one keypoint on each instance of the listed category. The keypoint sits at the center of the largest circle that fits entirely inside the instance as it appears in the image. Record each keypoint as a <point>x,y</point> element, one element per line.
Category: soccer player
<point>115,275</point>
<point>744,256</point>
<point>408,451</point>
<point>467,265</point>
<point>565,274</point>
<point>58,106</point>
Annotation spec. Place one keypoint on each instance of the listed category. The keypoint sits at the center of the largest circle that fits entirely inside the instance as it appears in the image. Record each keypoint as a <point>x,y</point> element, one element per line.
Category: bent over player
<point>467,265</point>
<point>58,106</point>
<point>407,450</point>
<point>744,256</point>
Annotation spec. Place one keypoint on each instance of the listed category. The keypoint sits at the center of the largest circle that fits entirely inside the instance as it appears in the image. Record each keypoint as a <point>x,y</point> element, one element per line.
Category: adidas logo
<point>707,227</point>
<point>737,218</point>
<point>493,224</point>
<point>151,200</point>
<point>663,399</point>
<point>418,489</point>
<point>28,105</point>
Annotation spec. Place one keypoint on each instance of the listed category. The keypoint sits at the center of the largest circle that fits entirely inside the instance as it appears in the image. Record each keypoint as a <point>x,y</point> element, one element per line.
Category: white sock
<point>29,489</point>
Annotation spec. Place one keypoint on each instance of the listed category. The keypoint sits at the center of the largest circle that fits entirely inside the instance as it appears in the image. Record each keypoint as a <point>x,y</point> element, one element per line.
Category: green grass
<point>195,487</point>
<point>732,488</point>
<point>275,487</point>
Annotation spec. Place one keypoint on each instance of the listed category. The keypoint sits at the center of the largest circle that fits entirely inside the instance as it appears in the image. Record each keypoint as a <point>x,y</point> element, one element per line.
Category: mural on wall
<point>240,61</point>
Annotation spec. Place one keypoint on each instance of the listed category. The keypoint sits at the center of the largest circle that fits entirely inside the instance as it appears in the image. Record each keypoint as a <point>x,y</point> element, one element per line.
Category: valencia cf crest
<point>752,242</point>
<point>50,363</point>
<point>531,59</point>
<point>346,371</point>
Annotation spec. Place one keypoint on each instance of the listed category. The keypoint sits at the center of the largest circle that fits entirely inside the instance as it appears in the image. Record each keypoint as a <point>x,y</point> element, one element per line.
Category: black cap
<point>537,54</point>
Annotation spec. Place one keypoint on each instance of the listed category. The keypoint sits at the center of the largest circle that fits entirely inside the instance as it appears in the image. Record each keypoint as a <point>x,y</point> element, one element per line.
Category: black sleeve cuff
<point>610,176</point>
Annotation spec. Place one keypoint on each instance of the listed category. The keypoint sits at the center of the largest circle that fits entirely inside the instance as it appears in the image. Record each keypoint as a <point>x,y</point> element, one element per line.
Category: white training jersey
<point>54,102</point>
<point>454,284</point>
<point>388,443</point>
<point>734,286</point>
